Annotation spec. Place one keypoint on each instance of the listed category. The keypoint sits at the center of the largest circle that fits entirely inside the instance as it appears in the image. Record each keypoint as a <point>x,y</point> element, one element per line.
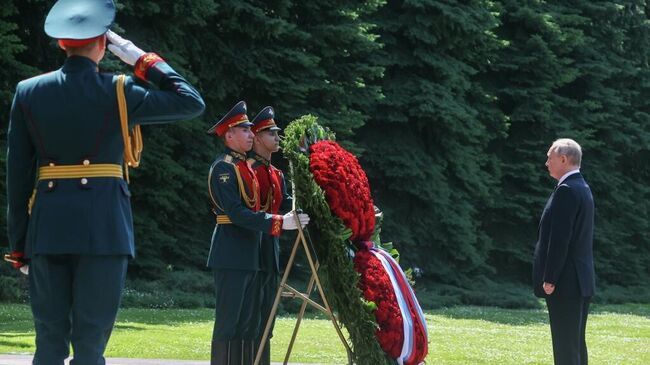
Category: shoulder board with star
<point>228,159</point>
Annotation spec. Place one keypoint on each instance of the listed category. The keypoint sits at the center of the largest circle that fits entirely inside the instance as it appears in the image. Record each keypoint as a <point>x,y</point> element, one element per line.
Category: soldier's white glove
<point>289,221</point>
<point>123,48</point>
<point>24,269</point>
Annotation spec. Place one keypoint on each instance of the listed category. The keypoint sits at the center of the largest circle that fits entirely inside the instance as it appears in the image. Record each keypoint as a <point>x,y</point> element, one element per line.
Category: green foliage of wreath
<point>330,240</point>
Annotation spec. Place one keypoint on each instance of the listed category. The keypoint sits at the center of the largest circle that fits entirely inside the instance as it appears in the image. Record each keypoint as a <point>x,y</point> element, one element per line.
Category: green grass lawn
<point>618,334</point>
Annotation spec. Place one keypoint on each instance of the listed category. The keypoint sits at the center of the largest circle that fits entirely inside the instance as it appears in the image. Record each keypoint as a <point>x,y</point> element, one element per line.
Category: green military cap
<point>79,19</point>
<point>236,117</point>
<point>264,121</point>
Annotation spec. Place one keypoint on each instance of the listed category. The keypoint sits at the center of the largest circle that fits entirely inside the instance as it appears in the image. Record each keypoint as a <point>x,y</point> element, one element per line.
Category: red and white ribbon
<point>411,354</point>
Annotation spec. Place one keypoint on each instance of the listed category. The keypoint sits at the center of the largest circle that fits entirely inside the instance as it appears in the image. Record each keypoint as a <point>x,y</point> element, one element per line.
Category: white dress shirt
<point>567,175</point>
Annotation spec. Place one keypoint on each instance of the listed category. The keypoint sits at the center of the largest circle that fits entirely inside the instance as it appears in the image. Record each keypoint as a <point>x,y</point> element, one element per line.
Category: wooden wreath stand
<point>285,290</point>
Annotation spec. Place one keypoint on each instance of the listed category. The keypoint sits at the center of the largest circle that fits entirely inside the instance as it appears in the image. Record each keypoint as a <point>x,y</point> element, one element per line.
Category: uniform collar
<point>260,159</point>
<point>78,63</point>
<point>235,154</point>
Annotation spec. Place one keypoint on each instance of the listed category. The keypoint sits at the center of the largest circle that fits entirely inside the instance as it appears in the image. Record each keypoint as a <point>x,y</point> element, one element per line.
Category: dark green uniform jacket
<point>235,194</point>
<point>68,116</point>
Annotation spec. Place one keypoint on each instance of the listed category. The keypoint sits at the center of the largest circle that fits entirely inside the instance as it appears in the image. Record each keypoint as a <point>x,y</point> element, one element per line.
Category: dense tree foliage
<point>450,104</point>
<point>431,168</point>
<point>576,69</point>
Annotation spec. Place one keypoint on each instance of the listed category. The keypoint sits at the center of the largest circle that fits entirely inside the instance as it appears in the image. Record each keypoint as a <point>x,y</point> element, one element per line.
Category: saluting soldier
<point>235,252</point>
<point>274,200</point>
<point>65,144</point>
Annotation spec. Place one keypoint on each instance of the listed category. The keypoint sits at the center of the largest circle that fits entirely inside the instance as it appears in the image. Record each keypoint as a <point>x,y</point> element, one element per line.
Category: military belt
<point>223,219</point>
<point>80,171</point>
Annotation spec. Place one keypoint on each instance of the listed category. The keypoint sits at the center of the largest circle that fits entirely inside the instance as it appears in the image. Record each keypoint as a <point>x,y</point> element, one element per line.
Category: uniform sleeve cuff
<point>18,258</point>
<point>18,254</point>
<point>276,226</point>
<point>146,62</point>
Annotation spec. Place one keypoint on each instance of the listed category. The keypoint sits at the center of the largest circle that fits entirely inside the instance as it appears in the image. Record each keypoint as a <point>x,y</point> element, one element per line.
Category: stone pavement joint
<point>27,360</point>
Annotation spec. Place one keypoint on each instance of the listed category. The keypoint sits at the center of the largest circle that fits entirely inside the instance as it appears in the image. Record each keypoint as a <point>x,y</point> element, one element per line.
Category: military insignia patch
<point>224,178</point>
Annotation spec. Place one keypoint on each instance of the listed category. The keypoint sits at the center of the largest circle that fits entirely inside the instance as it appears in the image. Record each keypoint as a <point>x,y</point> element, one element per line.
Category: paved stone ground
<point>27,360</point>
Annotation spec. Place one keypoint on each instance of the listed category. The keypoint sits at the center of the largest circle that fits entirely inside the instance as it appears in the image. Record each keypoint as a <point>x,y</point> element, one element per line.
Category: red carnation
<point>346,187</point>
<point>376,286</point>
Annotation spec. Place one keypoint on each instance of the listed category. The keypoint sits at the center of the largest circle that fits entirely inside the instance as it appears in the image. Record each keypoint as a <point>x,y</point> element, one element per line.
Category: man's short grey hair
<point>569,148</point>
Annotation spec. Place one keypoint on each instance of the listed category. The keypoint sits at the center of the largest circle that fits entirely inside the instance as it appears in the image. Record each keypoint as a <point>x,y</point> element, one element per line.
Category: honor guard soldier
<point>66,148</point>
<point>235,252</point>
<point>274,199</point>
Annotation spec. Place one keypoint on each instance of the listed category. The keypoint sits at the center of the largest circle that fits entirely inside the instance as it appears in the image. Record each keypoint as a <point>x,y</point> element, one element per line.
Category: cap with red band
<point>264,120</point>
<point>236,117</point>
<point>74,43</point>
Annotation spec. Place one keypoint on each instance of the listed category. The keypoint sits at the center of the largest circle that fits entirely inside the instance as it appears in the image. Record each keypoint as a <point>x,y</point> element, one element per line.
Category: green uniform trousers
<point>74,300</point>
<point>237,309</point>
<point>269,281</point>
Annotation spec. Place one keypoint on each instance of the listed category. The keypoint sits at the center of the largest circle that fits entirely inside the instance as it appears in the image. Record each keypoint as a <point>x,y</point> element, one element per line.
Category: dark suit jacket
<point>564,250</point>
<point>67,116</point>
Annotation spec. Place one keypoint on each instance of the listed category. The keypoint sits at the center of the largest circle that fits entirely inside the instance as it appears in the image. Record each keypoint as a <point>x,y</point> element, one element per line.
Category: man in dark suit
<point>66,150</point>
<point>563,267</point>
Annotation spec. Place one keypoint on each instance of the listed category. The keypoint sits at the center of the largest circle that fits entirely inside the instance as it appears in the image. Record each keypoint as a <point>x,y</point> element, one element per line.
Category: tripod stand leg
<point>310,288</point>
<point>276,301</point>
<point>314,270</point>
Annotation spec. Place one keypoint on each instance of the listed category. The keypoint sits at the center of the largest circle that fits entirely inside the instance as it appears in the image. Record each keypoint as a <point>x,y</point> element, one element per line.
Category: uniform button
<point>51,163</point>
<point>50,184</point>
<point>86,162</point>
<point>84,181</point>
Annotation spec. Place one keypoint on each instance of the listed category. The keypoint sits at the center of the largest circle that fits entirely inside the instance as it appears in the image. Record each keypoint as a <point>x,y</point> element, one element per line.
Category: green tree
<point>613,87</point>
<point>529,71</point>
<point>452,103</point>
<point>573,70</point>
<point>424,147</point>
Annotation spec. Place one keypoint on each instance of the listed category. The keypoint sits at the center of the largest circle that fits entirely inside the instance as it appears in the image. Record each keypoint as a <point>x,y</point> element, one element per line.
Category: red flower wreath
<point>376,286</point>
<point>346,187</point>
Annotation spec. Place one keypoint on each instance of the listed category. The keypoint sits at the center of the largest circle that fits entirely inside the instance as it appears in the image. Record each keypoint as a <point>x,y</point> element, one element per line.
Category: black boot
<point>219,353</point>
<point>266,354</point>
<point>249,353</point>
<point>265,359</point>
<point>236,352</point>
